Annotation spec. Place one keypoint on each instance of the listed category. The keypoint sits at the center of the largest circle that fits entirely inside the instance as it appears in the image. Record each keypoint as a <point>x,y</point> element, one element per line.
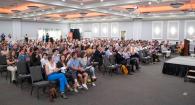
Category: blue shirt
<point>74,63</point>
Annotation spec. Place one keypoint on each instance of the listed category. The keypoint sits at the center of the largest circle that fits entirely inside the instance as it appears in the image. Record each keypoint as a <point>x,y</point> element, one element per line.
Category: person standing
<point>26,38</point>
<point>47,37</point>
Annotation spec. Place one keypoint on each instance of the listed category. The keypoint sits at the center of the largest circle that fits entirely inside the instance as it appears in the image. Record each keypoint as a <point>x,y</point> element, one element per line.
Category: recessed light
<point>101,0</point>
<point>149,3</point>
<point>63,0</point>
<point>81,4</point>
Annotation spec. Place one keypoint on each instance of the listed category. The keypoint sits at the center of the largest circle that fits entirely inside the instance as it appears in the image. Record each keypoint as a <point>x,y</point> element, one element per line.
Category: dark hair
<point>45,54</point>
<point>49,57</point>
<point>73,53</point>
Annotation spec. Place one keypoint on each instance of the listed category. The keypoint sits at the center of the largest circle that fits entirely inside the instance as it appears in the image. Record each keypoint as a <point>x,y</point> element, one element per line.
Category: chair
<point>22,72</point>
<point>108,67</point>
<point>3,64</point>
<point>37,79</point>
<point>144,58</point>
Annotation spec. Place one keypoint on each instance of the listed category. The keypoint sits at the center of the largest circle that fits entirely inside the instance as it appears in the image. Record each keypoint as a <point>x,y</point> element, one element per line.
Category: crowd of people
<point>67,61</point>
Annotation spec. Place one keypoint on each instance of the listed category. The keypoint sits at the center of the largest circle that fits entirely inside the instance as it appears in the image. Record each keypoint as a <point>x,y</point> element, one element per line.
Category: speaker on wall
<point>76,33</point>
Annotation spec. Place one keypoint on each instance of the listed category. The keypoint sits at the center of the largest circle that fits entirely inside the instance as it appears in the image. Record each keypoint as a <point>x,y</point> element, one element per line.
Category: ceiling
<point>95,10</point>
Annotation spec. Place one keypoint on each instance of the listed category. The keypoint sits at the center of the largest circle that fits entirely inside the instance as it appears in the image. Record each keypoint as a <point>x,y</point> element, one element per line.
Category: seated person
<point>23,56</point>
<point>88,67</point>
<point>62,65</point>
<point>35,59</point>
<point>52,73</point>
<point>44,60</point>
<point>77,71</point>
<point>134,59</point>
<point>11,62</point>
<point>97,56</point>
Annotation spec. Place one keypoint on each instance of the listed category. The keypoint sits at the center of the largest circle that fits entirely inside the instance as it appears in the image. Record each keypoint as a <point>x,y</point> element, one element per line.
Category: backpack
<point>124,70</point>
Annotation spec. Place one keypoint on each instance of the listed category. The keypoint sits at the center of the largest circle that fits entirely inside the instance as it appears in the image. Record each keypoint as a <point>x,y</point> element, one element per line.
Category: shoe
<point>85,86</point>
<point>93,84</point>
<point>80,87</point>
<point>76,91</point>
<point>63,96</point>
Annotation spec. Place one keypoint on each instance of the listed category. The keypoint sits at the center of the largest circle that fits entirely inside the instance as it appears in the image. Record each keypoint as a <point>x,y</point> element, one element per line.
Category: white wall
<point>143,29</point>
<point>31,28</point>
<point>6,27</point>
<point>18,29</point>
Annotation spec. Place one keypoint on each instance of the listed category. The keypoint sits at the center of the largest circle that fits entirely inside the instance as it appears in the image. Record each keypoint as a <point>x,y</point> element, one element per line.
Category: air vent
<point>47,17</point>
<point>130,9</point>
<point>16,18</point>
<point>15,11</point>
<point>83,14</point>
<point>33,7</point>
<point>137,19</point>
<point>176,5</point>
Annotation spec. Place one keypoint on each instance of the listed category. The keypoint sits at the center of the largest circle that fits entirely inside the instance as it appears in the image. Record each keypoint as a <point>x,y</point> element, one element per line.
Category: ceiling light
<point>176,4</point>
<point>63,15</point>
<point>149,3</point>
<point>101,0</point>
<point>3,13</point>
<point>81,3</point>
<point>63,0</point>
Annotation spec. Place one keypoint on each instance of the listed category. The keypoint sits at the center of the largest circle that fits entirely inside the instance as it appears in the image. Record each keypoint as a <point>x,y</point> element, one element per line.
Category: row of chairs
<point>110,66</point>
<point>24,72</point>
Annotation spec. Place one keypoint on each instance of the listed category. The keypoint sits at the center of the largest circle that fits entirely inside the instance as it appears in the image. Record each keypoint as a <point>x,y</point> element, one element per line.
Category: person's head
<point>62,58</point>
<point>50,59</point>
<point>22,51</point>
<point>45,55</point>
<point>55,51</point>
<point>74,55</point>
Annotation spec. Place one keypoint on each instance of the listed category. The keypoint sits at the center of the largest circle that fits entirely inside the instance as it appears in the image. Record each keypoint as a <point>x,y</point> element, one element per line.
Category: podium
<point>186,48</point>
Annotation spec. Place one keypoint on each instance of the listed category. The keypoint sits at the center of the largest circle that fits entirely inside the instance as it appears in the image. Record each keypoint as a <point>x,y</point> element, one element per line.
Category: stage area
<point>179,65</point>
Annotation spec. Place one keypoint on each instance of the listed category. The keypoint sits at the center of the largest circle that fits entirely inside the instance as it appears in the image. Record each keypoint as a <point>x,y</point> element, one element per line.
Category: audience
<point>66,61</point>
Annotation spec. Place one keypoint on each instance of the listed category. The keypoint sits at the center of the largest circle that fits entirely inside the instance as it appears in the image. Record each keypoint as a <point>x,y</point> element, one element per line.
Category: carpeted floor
<point>146,87</point>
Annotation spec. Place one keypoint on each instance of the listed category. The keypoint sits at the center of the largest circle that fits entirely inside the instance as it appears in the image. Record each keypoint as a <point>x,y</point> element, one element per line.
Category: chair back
<point>3,60</point>
<point>22,67</point>
<point>106,61</point>
<point>36,74</point>
<point>141,54</point>
<point>112,59</point>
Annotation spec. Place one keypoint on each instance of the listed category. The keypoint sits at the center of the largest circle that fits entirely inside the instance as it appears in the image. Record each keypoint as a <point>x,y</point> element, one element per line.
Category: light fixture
<point>150,3</point>
<point>176,4</point>
<point>173,31</point>
<point>101,0</point>
<point>82,3</point>
<point>64,0</point>
<point>191,31</point>
<point>63,15</point>
<point>157,30</point>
